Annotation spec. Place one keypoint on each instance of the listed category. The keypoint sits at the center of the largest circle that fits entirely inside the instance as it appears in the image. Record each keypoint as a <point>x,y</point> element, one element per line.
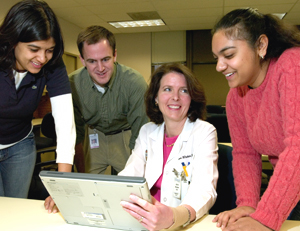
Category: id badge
<point>94,141</point>
<point>177,187</point>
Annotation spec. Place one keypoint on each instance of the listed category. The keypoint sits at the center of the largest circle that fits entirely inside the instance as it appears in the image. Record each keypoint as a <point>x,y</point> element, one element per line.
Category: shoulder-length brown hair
<point>198,100</point>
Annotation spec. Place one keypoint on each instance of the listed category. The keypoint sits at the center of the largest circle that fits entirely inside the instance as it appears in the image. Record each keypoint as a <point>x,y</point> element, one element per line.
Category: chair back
<point>220,123</point>
<point>44,145</point>
<point>226,198</point>
<point>48,126</point>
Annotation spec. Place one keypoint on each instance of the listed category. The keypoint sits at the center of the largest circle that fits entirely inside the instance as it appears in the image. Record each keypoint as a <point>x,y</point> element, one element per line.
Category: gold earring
<point>156,104</point>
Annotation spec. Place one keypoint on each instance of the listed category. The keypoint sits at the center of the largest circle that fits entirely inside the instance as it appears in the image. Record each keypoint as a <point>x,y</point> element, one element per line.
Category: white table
<point>25,214</point>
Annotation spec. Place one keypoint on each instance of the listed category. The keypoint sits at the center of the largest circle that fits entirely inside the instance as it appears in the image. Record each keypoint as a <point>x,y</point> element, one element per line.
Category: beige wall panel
<point>168,47</point>
<point>134,50</point>
<point>214,83</point>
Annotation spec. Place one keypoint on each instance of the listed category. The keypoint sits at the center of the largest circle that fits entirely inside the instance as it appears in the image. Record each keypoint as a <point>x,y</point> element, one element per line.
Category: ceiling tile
<point>178,14</point>
<point>190,4</point>
<point>121,8</point>
<point>239,3</point>
<point>265,9</point>
<point>186,13</point>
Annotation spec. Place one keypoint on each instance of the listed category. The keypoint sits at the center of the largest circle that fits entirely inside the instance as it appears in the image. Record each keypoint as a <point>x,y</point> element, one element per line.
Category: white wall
<point>140,50</point>
<point>168,47</point>
<point>134,50</point>
<point>70,33</point>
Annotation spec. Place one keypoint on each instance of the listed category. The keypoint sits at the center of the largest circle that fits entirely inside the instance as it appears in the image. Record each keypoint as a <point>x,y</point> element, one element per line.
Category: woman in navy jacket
<point>31,47</point>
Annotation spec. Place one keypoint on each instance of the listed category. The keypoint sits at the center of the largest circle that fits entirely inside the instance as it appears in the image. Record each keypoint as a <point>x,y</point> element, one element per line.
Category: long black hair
<point>248,24</point>
<point>28,21</point>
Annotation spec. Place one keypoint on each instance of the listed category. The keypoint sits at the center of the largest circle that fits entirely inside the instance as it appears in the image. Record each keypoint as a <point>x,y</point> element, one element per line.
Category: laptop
<point>94,199</point>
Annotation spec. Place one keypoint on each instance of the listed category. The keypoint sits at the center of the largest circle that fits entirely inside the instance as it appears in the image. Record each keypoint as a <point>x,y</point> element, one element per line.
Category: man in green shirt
<point>108,103</point>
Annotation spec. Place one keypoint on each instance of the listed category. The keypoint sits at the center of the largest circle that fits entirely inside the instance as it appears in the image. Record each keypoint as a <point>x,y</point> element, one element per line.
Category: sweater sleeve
<point>283,191</point>
<point>247,165</point>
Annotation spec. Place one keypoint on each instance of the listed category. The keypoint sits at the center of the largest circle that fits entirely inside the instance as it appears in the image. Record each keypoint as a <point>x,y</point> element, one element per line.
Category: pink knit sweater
<point>266,120</point>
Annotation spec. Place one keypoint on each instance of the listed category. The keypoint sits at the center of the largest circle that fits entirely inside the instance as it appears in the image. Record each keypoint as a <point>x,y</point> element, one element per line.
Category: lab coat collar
<point>181,140</point>
<point>158,133</point>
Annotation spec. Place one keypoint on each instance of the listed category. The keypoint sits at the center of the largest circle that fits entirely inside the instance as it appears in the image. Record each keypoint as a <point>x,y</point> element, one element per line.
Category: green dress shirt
<point>120,107</point>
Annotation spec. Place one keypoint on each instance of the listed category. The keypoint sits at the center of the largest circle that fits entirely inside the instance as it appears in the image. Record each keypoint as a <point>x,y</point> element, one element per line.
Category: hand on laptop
<point>155,216</point>
<point>50,205</point>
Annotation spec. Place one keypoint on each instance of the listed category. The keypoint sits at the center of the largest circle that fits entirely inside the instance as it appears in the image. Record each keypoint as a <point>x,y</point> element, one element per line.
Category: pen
<point>146,154</point>
<point>184,168</point>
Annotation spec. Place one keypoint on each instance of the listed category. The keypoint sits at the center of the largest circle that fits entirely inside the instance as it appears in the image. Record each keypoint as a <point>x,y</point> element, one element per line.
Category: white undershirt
<point>101,89</point>
<point>19,76</point>
<point>63,114</point>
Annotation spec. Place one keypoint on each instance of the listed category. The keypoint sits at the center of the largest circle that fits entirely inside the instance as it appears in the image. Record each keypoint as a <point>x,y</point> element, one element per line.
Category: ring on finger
<point>141,219</point>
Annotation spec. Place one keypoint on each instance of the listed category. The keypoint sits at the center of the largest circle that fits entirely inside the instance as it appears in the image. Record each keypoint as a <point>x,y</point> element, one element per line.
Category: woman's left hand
<point>155,216</point>
<point>246,224</point>
<point>49,202</point>
<point>50,205</point>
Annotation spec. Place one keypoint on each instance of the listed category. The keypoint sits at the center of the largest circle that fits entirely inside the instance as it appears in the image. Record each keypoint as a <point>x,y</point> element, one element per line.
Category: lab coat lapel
<point>155,160</point>
<point>181,140</point>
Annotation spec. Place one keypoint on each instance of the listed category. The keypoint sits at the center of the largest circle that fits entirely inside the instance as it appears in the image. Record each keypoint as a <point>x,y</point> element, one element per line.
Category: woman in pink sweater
<point>260,57</point>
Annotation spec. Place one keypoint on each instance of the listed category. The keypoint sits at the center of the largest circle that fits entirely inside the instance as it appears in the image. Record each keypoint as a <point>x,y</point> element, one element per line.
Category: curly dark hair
<point>198,100</point>
<point>28,21</point>
<point>248,24</point>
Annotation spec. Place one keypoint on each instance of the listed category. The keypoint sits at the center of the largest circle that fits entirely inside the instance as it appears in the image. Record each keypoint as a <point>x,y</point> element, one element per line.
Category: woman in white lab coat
<point>176,152</point>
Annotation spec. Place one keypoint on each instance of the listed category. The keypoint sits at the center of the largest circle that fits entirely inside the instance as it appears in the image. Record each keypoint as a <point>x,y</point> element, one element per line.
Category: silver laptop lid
<point>94,199</point>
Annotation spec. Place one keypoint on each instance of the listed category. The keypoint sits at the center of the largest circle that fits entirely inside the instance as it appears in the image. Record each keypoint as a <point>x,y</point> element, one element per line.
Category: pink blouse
<point>167,148</point>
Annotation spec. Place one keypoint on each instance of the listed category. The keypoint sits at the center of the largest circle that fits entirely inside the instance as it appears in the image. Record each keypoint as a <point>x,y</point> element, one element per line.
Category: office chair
<point>225,187</point>
<point>46,144</point>
<point>215,109</point>
<point>221,124</point>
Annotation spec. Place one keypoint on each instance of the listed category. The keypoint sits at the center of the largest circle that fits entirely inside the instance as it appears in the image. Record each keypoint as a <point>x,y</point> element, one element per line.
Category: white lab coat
<point>196,146</point>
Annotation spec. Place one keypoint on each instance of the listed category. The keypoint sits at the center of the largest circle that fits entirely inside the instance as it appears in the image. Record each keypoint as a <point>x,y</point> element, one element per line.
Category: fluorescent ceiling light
<point>279,15</point>
<point>140,23</point>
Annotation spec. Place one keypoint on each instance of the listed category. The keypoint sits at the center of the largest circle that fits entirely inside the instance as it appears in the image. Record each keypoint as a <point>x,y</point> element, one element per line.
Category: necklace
<point>170,145</point>
<point>174,139</point>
